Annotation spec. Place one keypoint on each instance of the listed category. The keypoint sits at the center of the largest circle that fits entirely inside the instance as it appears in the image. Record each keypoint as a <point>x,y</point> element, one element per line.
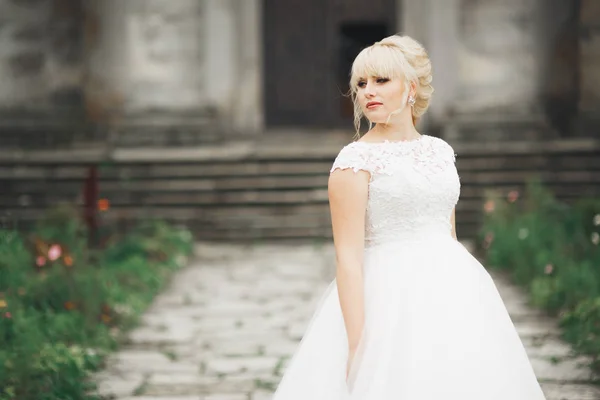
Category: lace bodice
<point>413,187</point>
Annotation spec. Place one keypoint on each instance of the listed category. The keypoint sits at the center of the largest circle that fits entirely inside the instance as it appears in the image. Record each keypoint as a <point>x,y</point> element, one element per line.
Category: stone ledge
<point>250,151</point>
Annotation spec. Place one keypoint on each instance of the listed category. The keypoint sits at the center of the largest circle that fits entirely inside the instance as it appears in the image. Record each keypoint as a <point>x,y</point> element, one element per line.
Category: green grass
<point>64,304</point>
<point>552,249</point>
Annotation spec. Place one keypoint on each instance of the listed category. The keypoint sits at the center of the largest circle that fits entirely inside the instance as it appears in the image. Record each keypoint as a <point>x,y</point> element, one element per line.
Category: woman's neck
<point>396,132</point>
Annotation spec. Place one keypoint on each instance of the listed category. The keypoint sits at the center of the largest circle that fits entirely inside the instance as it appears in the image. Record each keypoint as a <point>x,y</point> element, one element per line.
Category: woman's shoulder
<point>439,141</point>
<point>354,155</point>
<point>373,156</point>
<point>442,147</point>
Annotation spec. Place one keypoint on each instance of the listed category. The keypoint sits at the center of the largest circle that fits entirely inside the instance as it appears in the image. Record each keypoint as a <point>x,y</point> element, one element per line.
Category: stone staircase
<point>250,191</point>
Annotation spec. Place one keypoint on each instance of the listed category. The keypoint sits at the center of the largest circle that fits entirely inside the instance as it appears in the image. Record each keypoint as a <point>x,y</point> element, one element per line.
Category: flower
<point>595,238</point>
<point>40,261</point>
<point>69,305</point>
<point>103,204</point>
<point>54,252</point>
<point>68,260</point>
<point>489,206</point>
<point>523,233</point>
<point>3,303</point>
<point>7,315</point>
<point>548,269</point>
<point>596,219</point>
<point>513,195</point>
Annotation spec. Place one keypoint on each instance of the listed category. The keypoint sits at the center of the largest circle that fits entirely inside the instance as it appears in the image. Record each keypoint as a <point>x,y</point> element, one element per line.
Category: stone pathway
<point>228,324</point>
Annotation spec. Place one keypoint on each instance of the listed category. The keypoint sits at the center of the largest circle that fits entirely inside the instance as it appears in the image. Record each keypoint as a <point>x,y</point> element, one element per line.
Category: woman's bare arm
<point>348,192</point>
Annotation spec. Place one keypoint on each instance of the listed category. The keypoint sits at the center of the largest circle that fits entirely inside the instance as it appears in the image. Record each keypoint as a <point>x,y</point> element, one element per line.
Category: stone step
<point>221,214</point>
<point>246,190</point>
<point>173,170</point>
<point>168,185</point>
<point>121,170</point>
<point>281,182</point>
<point>256,151</point>
<point>471,197</point>
<point>240,222</point>
<point>200,198</point>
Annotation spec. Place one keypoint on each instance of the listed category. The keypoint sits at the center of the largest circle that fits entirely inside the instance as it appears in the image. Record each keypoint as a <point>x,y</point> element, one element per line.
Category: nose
<point>369,90</point>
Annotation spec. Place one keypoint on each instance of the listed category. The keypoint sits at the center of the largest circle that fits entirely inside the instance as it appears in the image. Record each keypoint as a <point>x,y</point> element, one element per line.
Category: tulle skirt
<point>435,328</point>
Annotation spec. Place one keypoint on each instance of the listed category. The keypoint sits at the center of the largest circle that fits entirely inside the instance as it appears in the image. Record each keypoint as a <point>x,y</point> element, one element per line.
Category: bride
<point>411,315</point>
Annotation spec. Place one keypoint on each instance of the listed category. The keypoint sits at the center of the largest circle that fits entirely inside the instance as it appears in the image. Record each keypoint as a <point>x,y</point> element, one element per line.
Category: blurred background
<point>130,129</point>
<point>226,115</point>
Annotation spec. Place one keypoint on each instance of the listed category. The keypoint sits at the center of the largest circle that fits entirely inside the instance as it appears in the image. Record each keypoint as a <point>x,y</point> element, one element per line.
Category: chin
<point>376,117</point>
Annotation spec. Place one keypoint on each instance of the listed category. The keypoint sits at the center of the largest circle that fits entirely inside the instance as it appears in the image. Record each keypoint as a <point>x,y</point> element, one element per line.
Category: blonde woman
<point>411,315</point>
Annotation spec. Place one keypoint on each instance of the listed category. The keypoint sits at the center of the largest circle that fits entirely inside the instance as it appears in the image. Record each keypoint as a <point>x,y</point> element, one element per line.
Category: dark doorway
<point>309,46</point>
<point>354,37</point>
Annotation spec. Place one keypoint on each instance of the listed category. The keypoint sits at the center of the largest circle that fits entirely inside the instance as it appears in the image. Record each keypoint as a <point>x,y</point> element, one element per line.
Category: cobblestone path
<point>228,323</point>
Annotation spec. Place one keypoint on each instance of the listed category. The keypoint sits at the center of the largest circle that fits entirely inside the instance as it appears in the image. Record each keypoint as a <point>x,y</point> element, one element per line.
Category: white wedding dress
<point>435,325</point>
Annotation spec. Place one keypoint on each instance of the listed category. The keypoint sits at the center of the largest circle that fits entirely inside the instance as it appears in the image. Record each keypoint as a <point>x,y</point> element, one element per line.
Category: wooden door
<point>309,46</point>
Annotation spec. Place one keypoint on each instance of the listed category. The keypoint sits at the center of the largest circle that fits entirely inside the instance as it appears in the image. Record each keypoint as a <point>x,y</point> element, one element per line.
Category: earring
<point>411,100</point>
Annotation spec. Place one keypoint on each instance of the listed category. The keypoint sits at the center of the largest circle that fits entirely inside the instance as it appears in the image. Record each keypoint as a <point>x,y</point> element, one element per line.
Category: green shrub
<point>552,249</point>
<point>63,303</point>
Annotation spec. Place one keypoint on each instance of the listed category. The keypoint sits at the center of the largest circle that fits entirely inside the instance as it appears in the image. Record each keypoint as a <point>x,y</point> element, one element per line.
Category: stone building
<point>225,114</point>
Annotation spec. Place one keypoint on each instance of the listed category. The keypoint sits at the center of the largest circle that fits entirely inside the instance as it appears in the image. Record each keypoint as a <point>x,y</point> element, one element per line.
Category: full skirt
<point>435,328</point>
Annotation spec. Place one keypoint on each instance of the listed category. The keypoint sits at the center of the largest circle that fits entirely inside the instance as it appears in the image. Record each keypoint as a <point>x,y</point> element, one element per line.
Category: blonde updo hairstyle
<point>394,57</point>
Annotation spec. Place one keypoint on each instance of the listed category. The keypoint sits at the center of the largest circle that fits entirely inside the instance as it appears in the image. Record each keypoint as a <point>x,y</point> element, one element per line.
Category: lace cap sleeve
<point>445,150</point>
<point>352,156</point>
<point>451,153</point>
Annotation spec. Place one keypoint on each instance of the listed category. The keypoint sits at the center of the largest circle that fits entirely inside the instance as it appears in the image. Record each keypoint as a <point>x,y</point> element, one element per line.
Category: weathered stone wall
<point>589,79</point>
<point>486,54</point>
<point>40,54</point>
<point>138,71</point>
<point>147,55</point>
<point>196,65</point>
<point>186,57</point>
<point>498,56</point>
<point>434,24</point>
<point>522,69</point>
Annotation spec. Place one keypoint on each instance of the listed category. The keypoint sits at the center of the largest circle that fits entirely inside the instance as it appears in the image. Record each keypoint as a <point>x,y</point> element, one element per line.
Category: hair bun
<point>418,59</point>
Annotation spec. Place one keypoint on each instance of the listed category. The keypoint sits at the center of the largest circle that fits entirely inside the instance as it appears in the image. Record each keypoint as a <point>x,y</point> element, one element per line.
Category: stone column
<point>248,112</point>
<point>414,19</point>
<point>234,61</point>
<point>148,55</point>
<point>498,60</point>
<point>499,63</point>
<point>443,50</point>
<point>589,64</point>
<point>147,70</point>
<point>193,66</point>
<point>221,57</point>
